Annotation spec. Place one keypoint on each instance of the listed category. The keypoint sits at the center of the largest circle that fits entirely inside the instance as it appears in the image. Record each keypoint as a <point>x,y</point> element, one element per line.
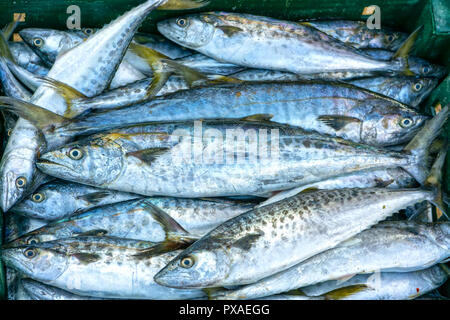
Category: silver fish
<point>285,46</point>
<point>388,247</point>
<point>408,90</point>
<point>382,286</point>
<point>97,266</point>
<point>337,109</point>
<point>164,158</point>
<point>135,219</point>
<point>60,199</point>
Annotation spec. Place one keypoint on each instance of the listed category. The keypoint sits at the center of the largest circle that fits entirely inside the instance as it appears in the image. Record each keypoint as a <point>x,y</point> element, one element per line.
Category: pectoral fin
<point>337,122</point>
<point>148,155</point>
<point>230,30</point>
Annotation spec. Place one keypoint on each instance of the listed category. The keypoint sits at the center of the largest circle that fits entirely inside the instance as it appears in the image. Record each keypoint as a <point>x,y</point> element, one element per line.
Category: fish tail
<point>157,62</point>
<point>67,92</point>
<point>418,149</point>
<point>405,49</point>
<point>434,180</point>
<point>41,118</point>
<point>5,52</point>
<point>183,4</point>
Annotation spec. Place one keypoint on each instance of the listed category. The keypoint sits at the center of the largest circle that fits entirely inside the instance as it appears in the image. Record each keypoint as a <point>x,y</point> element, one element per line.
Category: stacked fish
<point>116,181</point>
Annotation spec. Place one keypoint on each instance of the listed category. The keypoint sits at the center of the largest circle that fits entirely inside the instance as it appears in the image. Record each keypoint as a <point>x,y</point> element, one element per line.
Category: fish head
<point>389,40</point>
<point>33,237</point>
<point>192,31</point>
<point>390,125</point>
<point>424,68</point>
<point>419,89</point>
<point>38,290</point>
<point>36,261</point>
<point>441,234</point>
<point>436,275</point>
<point>96,162</point>
<point>199,266</point>
<point>49,43</point>
<point>16,179</point>
<point>42,204</point>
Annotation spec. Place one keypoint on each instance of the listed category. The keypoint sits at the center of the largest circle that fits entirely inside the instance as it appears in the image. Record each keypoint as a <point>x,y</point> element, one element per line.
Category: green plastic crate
<point>406,15</point>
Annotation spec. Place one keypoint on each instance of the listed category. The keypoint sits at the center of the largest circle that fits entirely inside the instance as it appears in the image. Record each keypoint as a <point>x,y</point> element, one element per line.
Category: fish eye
<point>75,154</point>
<point>406,122</point>
<point>30,253</point>
<point>417,87</point>
<point>38,42</point>
<point>425,70</point>
<point>88,31</point>
<point>187,262</point>
<point>182,22</point>
<point>38,197</point>
<point>21,182</point>
<point>390,38</point>
<point>9,132</point>
<point>32,240</point>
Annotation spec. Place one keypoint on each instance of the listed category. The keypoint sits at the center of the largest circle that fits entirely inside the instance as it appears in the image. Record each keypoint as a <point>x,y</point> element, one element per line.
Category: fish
<point>285,46</point>
<point>39,291</point>
<point>275,237</point>
<point>336,109</point>
<point>166,158</point>
<point>397,246</point>
<point>60,199</point>
<point>382,285</point>
<point>100,267</point>
<point>154,219</point>
<point>408,90</point>
<point>132,219</point>
<point>356,34</point>
<point>155,152</point>
<point>89,68</point>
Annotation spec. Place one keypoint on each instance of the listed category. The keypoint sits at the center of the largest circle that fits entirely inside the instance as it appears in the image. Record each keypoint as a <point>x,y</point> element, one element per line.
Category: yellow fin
<point>405,50</point>
<point>345,292</point>
<point>183,4</point>
<point>230,30</point>
<point>258,117</point>
<point>67,92</point>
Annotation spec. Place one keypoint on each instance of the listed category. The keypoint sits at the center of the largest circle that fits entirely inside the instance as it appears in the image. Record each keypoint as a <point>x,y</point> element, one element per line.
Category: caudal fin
<point>41,118</point>
<point>419,146</point>
<point>403,52</point>
<point>434,180</point>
